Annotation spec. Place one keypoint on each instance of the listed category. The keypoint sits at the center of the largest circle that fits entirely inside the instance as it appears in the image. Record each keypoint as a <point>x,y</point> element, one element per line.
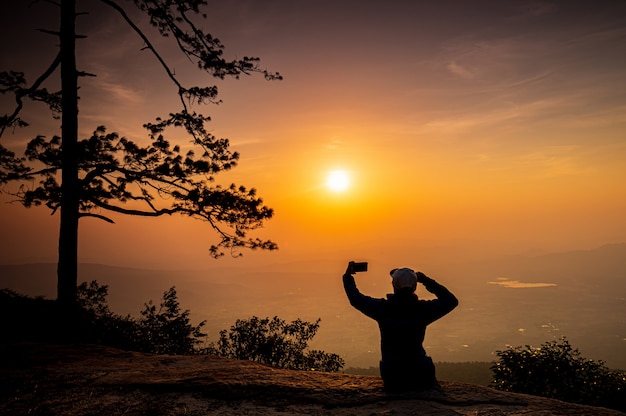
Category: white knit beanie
<point>403,278</point>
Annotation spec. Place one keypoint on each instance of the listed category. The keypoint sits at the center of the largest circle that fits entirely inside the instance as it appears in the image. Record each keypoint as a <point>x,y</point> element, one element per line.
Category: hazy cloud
<point>460,71</point>
<point>334,144</point>
<point>537,8</point>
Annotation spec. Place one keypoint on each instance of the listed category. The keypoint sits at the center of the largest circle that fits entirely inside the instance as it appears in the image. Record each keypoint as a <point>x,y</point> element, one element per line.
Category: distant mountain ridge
<point>608,261</point>
<point>39,279</point>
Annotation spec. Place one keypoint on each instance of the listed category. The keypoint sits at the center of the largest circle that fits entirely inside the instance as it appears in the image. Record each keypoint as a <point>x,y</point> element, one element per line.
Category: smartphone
<point>359,266</point>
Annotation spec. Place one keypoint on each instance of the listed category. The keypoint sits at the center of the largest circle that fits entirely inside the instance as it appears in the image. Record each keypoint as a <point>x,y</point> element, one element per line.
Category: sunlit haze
<point>338,181</point>
<point>424,134</point>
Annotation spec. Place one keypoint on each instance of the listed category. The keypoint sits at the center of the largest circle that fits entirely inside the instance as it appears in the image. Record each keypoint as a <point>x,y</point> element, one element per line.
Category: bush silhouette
<point>557,370</point>
<point>24,318</point>
<point>166,329</point>
<point>160,330</point>
<point>163,329</point>
<point>277,343</point>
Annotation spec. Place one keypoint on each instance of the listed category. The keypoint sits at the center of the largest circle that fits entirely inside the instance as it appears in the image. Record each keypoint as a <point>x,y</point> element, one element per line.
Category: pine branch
<point>22,92</point>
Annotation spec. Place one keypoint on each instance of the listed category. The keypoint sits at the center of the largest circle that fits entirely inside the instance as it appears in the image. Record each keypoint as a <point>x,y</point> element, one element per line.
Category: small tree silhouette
<point>165,329</point>
<point>277,343</point>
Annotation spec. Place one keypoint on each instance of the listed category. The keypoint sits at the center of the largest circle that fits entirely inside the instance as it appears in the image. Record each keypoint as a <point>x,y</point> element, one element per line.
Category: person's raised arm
<point>349,284</point>
<point>445,301</point>
<point>365,304</point>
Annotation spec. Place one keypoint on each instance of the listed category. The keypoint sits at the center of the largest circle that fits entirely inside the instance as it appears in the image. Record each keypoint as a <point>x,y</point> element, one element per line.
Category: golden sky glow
<point>338,180</point>
<point>483,126</point>
<point>470,132</point>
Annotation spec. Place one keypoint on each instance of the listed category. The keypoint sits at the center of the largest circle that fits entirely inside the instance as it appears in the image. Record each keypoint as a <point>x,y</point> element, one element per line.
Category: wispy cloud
<point>459,70</point>
<point>493,60</point>
<point>120,93</point>
<point>335,143</point>
<point>537,8</point>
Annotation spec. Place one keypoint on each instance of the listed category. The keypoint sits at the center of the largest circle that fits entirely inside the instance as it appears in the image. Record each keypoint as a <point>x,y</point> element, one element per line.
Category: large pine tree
<point>110,173</point>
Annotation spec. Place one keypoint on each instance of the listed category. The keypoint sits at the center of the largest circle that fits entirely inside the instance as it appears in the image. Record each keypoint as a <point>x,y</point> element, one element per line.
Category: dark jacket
<point>402,318</point>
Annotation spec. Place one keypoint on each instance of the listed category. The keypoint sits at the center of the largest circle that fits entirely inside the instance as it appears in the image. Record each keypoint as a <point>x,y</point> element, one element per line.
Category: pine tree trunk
<point>67,271</point>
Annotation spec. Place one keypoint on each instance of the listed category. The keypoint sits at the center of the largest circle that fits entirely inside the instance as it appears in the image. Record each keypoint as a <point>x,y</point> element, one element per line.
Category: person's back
<point>402,319</point>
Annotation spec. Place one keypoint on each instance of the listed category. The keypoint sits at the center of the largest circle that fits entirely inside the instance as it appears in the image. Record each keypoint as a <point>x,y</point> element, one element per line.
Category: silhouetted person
<point>402,319</point>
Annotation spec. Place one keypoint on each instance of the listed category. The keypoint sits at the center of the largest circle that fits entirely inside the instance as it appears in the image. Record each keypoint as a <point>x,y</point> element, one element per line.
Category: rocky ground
<point>44,379</point>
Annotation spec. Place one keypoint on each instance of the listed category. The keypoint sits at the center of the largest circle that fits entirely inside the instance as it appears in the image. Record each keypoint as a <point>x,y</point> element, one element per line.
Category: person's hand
<point>421,277</point>
<point>350,268</point>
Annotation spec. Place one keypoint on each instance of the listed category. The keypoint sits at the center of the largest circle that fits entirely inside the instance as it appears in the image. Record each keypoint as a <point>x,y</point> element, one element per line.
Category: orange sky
<point>495,127</point>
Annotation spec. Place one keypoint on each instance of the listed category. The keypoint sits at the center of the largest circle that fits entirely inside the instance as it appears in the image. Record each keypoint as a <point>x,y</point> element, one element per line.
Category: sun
<point>338,181</point>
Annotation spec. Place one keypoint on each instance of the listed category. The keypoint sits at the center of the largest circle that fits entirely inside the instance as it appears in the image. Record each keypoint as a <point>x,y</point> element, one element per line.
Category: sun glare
<point>338,181</point>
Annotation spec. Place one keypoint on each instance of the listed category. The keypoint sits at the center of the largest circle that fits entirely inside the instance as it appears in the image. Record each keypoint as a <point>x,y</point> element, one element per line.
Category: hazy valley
<point>506,301</point>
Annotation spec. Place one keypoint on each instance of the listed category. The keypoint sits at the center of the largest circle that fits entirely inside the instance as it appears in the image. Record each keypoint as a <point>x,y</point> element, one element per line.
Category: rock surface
<point>44,379</point>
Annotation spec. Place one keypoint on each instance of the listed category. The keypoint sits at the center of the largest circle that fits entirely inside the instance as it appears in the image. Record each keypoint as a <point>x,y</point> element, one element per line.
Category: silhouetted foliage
<point>161,330</point>
<point>165,329</point>
<point>24,318</point>
<point>110,173</point>
<point>557,370</point>
<point>277,343</point>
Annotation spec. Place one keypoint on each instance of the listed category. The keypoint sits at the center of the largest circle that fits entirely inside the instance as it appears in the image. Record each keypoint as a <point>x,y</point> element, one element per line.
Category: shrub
<point>167,330</point>
<point>556,370</point>
<point>277,343</point>
<point>162,330</point>
<point>24,318</point>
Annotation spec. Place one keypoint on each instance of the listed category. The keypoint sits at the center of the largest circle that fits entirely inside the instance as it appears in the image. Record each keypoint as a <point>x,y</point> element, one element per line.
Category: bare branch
<point>149,45</point>
<point>55,3</point>
<point>101,217</point>
<point>140,213</point>
<point>50,32</point>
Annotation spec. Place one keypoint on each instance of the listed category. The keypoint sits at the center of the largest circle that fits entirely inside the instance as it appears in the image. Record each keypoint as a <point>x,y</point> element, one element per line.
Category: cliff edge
<point>72,380</point>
